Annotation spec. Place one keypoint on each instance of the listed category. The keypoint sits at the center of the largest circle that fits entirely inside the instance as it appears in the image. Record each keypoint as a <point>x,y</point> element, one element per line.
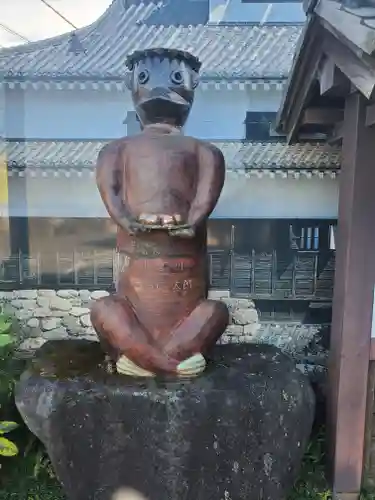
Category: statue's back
<point>161,173</point>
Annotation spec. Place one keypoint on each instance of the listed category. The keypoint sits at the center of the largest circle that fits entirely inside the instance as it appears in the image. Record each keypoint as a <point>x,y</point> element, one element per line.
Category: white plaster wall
<point>262,100</point>
<point>61,114</point>
<point>89,114</point>
<point>217,114</point>
<point>279,198</point>
<point>241,198</point>
<point>58,197</point>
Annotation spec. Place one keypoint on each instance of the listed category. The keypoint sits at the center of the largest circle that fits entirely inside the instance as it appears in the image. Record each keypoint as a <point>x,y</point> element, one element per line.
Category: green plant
<point>7,347</point>
<point>7,378</point>
<point>312,484</point>
<point>5,322</point>
<point>43,464</point>
<point>7,340</point>
<point>7,447</point>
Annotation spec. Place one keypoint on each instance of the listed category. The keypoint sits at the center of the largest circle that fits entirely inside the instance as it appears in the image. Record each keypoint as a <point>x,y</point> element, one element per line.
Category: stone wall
<point>57,314</point>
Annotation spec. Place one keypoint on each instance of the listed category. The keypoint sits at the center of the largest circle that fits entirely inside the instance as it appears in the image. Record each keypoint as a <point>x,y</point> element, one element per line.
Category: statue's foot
<point>123,336</point>
<point>198,331</point>
<point>125,366</point>
<point>191,367</point>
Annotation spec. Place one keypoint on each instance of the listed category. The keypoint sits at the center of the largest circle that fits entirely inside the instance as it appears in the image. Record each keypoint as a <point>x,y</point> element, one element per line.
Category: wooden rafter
<point>305,77</point>
<point>370,115</point>
<point>358,68</point>
<point>322,116</point>
<point>337,134</point>
<point>331,80</point>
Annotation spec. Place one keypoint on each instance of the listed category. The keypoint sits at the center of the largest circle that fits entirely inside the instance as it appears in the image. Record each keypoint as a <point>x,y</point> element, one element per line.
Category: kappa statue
<point>159,187</point>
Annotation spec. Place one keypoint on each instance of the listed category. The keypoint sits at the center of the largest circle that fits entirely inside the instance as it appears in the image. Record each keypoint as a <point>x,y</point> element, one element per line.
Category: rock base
<point>238,432</point>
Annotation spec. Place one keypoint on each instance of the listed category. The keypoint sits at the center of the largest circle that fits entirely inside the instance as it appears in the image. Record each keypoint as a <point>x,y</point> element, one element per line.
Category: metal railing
<point>275,275</point>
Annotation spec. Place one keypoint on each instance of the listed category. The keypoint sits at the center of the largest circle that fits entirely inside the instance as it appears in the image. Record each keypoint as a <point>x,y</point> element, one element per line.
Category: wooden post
<point>352,302</point>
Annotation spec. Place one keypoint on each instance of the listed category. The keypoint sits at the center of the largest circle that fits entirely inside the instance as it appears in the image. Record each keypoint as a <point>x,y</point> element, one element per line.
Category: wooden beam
<point>352,303</point>
<point>301,79</point>
<point>359,69</point>
<point>370,115</point>
<point>322,116</point>
<point>368,455</point>
<point>331,79</point>
<point>303,83</point>
<point>372,350</point>
<point>337,134</point>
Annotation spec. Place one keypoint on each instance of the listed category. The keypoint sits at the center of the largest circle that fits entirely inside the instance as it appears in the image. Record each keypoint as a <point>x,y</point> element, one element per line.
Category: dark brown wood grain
<point>159,187</point>
<point>353,301</point>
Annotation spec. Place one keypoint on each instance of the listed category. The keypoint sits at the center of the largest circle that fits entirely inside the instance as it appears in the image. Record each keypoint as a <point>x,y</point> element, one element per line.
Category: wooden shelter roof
<point>331,93</point>
<point>335,56</point>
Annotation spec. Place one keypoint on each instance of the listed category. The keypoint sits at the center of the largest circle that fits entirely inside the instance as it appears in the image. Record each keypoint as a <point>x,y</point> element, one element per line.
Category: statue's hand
<point>162,221</point>
<point>183,231</point>
<point>134,227</point>
<point>150,220</point>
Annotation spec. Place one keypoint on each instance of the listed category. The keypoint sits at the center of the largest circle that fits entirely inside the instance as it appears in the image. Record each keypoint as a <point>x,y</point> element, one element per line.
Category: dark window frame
<point>259,127</point>
<point>310,236</point>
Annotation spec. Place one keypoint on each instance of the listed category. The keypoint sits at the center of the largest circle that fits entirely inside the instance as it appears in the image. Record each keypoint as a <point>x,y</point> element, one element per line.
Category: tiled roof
<point>240,156</point>
<point>251,155</point>
<point>235,52</point>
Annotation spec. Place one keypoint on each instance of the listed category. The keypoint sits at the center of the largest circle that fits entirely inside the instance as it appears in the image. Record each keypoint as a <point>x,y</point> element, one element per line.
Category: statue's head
<point>162,83</point>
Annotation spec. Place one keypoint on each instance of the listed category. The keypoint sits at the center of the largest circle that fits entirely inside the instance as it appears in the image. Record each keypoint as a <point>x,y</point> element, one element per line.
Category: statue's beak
<point>164,94</point>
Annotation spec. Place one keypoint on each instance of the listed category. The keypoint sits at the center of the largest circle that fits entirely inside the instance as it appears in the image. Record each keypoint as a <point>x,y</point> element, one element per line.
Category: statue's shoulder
<point>209,149</point>
<point>114,147</point>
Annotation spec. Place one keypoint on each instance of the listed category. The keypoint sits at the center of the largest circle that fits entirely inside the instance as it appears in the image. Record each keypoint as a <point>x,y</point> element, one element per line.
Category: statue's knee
<point>101,308</point>
<point>218,309</point>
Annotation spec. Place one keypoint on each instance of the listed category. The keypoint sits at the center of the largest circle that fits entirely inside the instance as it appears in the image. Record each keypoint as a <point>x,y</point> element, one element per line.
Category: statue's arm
<point>211,178</point>
<point>109,179</point>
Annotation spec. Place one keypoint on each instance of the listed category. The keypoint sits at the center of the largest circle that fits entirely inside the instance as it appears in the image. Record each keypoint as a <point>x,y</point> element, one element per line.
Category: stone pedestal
<point>238,432</point>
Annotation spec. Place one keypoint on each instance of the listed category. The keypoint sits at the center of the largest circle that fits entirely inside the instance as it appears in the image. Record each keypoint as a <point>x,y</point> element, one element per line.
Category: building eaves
<point>237,52</point>
<point>241,157</point>
<point>332,27</point>
<point>352,20</point>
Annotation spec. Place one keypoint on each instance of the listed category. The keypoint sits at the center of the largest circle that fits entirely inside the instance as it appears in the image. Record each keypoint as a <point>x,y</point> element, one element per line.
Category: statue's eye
<point>143,76</point>
<point>177,77</point>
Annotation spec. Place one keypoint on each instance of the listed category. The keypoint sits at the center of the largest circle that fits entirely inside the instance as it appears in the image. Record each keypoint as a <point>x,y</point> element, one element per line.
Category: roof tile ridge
<point>59,39</point>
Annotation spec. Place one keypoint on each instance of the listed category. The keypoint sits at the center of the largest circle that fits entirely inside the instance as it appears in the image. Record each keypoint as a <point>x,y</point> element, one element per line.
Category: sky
<point>34,21</point>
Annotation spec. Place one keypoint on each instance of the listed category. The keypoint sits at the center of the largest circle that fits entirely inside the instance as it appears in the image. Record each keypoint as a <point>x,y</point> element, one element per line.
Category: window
<point>132,123</point>
<point>259,126</point>
<point>332,237</point>
<point>305,238</point>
